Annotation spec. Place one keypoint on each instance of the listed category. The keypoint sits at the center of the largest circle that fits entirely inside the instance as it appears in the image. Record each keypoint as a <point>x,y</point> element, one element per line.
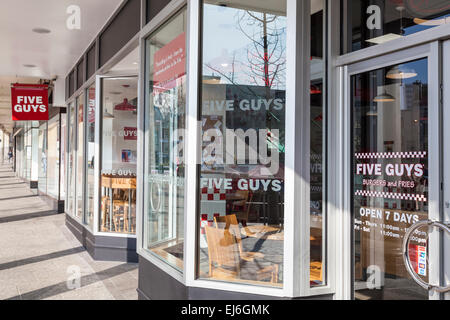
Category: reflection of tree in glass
<point>265,55</point>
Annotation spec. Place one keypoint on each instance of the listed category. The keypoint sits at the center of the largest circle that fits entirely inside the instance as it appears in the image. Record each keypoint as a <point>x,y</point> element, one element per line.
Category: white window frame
<point>98,151</point>
<point>297,226</point>
<point>161,18</point>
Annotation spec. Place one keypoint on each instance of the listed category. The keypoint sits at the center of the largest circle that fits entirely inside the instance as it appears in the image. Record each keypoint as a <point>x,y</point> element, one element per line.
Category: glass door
<point>395,173</point>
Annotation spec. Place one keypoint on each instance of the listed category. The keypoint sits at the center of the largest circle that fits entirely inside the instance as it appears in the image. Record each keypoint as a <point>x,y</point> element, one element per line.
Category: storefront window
<point>390,179</point>
<point>62,172</point>
<point>119,151</point>
<point>42,154</point>
<point>53,158</point>
<point>317,144</point>
<point>90,140</point>
<point>19,154</point>
<point>242,118</point>
<point>370,22</point>
<point>28,156</point>
<point>71,160</point>
<point>80,155</point>
<point>165,123</point>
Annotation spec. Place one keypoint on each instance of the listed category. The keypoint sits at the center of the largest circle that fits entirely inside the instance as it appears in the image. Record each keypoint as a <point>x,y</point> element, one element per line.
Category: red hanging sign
<point>29,102</point>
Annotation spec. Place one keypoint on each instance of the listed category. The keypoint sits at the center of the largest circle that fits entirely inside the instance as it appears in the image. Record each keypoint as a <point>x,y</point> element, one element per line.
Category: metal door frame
<point>431,51</point>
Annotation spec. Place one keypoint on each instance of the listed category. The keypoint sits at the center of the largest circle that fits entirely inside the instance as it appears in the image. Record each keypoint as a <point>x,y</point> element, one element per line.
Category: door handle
<point>407,260</point>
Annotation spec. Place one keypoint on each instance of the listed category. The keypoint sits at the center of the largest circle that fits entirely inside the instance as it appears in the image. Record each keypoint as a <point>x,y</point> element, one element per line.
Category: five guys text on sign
<point>29,102</point>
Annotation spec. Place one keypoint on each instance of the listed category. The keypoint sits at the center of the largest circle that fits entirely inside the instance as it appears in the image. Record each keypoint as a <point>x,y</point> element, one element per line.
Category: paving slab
<point>41,259</point>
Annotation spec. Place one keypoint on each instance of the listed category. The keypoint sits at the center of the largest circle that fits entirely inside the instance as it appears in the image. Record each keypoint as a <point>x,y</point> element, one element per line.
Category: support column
<point>2,146</point>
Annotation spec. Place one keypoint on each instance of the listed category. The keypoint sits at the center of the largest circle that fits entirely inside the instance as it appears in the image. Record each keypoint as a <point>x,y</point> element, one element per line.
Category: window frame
<point>159,20</point>
<point>98,152</point>
<point>297,244</point>
<point>430,51</point>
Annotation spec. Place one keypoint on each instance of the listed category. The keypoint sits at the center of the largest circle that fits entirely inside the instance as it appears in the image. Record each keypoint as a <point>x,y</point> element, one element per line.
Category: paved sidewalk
<point>40,258</point>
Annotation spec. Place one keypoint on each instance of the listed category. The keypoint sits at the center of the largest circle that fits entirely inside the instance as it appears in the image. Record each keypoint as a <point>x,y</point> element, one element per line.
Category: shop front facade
<point>264,150</point>
<point>38,156</point>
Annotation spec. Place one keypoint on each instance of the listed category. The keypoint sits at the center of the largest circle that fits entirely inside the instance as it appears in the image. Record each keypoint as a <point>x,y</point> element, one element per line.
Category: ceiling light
<point>115,92</point>
<point>401,72</point>
<point>29,66</point>
<point>41,30</point>
<point>384,97</point>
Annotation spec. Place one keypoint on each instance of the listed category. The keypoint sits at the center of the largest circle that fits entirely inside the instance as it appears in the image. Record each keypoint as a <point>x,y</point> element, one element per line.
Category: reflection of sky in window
<point>421,68</point>
<point>222,39</point>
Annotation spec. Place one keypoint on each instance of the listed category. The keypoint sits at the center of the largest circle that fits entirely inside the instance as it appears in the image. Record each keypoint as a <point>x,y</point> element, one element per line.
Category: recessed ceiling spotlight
<point>41,30</point>
<point>29,66</point>
<point>135,63</point>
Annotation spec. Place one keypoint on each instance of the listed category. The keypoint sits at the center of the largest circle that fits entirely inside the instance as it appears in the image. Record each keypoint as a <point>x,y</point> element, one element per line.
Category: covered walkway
<point>41,259</point>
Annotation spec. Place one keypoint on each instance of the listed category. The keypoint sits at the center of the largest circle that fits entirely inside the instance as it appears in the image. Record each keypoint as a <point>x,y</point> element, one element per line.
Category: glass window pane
<point>53,157</point>
<point>62,172</point>
<point>80,156</point>
<point>317,145</point>
<point>119,151</point>
<point>166,122</point>
<point>390,179</point>
<point>372,22</point>
<point>242,117</point>
<point>71,160</point>
<point>42,154</point>
<point>89,215</point>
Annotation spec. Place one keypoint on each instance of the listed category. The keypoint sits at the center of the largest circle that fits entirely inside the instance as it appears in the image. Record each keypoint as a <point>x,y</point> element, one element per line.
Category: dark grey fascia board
<point>129,47</point>
<point>107,23</point>
<point>416,39</point>
<point>132,44</point>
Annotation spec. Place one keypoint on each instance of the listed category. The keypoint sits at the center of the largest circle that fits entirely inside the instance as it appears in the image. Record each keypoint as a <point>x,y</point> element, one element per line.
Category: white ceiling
<point>54,54</point>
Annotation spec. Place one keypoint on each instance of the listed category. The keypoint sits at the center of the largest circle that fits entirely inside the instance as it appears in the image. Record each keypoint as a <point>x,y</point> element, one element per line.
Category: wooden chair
<point>225,260</point>
<point>130,224</point>
<point>232,224</point>
<point>316,271</point>
<point>242,207</point>
<point>120,212</point>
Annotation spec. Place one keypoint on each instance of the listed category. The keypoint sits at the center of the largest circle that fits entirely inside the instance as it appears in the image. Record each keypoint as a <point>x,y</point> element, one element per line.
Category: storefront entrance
<point>397,163</point>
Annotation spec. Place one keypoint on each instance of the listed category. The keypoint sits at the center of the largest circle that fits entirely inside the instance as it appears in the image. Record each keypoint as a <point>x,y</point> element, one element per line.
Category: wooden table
<point>275,233</point>
<point>263,232</point>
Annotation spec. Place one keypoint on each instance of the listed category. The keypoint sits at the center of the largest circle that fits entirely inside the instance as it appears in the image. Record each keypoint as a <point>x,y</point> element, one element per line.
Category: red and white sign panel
<point>130,133</point>
<point>29,102</point>
<point>91,112</point>
<point>170,64</point>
